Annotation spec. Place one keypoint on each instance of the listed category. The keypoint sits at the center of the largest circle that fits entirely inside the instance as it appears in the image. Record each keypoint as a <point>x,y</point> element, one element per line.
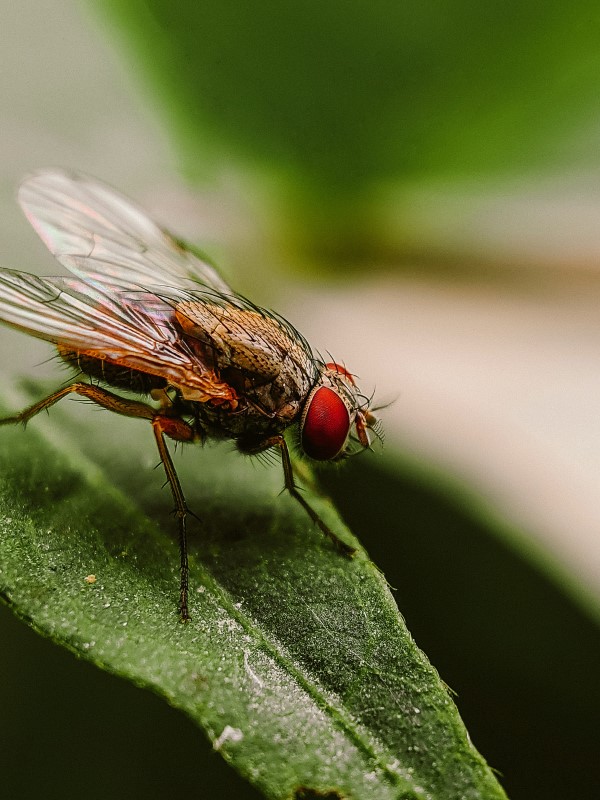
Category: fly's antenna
<point>381,406</point>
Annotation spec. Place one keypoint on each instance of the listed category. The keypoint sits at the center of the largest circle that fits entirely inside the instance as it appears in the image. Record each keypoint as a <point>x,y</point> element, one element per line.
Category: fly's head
<point>336,420</point>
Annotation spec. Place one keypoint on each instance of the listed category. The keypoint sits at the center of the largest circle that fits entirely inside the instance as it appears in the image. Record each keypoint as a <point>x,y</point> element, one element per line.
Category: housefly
<point>147,314</point>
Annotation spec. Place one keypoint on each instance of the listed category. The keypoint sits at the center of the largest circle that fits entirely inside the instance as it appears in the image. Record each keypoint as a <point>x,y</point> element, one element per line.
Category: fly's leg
<point>290,485</point>
<point>182,432</point>
<point>171,426</point>
<point>104,398</point>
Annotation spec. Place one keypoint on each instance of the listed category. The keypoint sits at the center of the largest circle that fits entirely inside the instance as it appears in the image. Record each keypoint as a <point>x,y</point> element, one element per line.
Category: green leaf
<point>297,663</point>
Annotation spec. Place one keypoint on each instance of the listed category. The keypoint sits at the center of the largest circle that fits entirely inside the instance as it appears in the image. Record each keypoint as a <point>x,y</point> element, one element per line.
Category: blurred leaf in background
<point>330,101</point>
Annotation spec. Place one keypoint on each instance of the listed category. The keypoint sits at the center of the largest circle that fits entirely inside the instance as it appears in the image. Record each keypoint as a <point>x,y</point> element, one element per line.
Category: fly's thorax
<point>331,413</point>
<point>266,362</point>
<point>232,336</point>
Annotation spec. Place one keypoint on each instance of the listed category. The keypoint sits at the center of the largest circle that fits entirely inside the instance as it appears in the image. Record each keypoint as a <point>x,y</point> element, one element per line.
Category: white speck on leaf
<point>228,734</point>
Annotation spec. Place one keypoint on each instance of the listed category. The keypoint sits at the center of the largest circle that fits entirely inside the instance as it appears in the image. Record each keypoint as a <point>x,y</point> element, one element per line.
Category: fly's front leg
<point>179,430</point>
<point>290,485</point>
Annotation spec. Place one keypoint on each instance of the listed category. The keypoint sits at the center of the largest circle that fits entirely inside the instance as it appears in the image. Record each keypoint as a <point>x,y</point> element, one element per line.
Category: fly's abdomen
<point>114,375</point>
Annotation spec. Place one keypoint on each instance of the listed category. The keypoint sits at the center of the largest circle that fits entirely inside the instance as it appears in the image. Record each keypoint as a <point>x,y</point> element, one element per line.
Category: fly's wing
<point>104,239</point>
<point>78,317</point>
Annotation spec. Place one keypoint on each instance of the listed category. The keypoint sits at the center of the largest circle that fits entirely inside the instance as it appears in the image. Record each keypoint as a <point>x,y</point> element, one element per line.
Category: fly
<point>145,313</point>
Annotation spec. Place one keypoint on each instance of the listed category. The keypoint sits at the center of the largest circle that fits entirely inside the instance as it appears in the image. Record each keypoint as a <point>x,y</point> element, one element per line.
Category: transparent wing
<point>105,239</point>
<point>75,316</point>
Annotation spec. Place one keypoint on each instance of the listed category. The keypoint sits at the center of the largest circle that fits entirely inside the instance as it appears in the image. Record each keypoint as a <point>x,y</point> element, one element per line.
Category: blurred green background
<point>346,145</point>
<point>335,102</point>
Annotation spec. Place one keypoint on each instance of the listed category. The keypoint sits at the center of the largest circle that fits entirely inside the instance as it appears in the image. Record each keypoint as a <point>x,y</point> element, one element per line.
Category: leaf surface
<point>296,663</point>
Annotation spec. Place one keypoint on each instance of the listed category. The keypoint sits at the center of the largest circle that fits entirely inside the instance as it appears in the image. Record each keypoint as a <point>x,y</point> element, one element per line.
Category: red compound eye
<point>325,425</point>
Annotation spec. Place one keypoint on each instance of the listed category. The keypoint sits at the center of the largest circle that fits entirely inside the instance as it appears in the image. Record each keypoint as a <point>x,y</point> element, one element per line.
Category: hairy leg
<point>180,431</point>
<point>104,398</point>
<point>290,485</point>
<point>162,425</point>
